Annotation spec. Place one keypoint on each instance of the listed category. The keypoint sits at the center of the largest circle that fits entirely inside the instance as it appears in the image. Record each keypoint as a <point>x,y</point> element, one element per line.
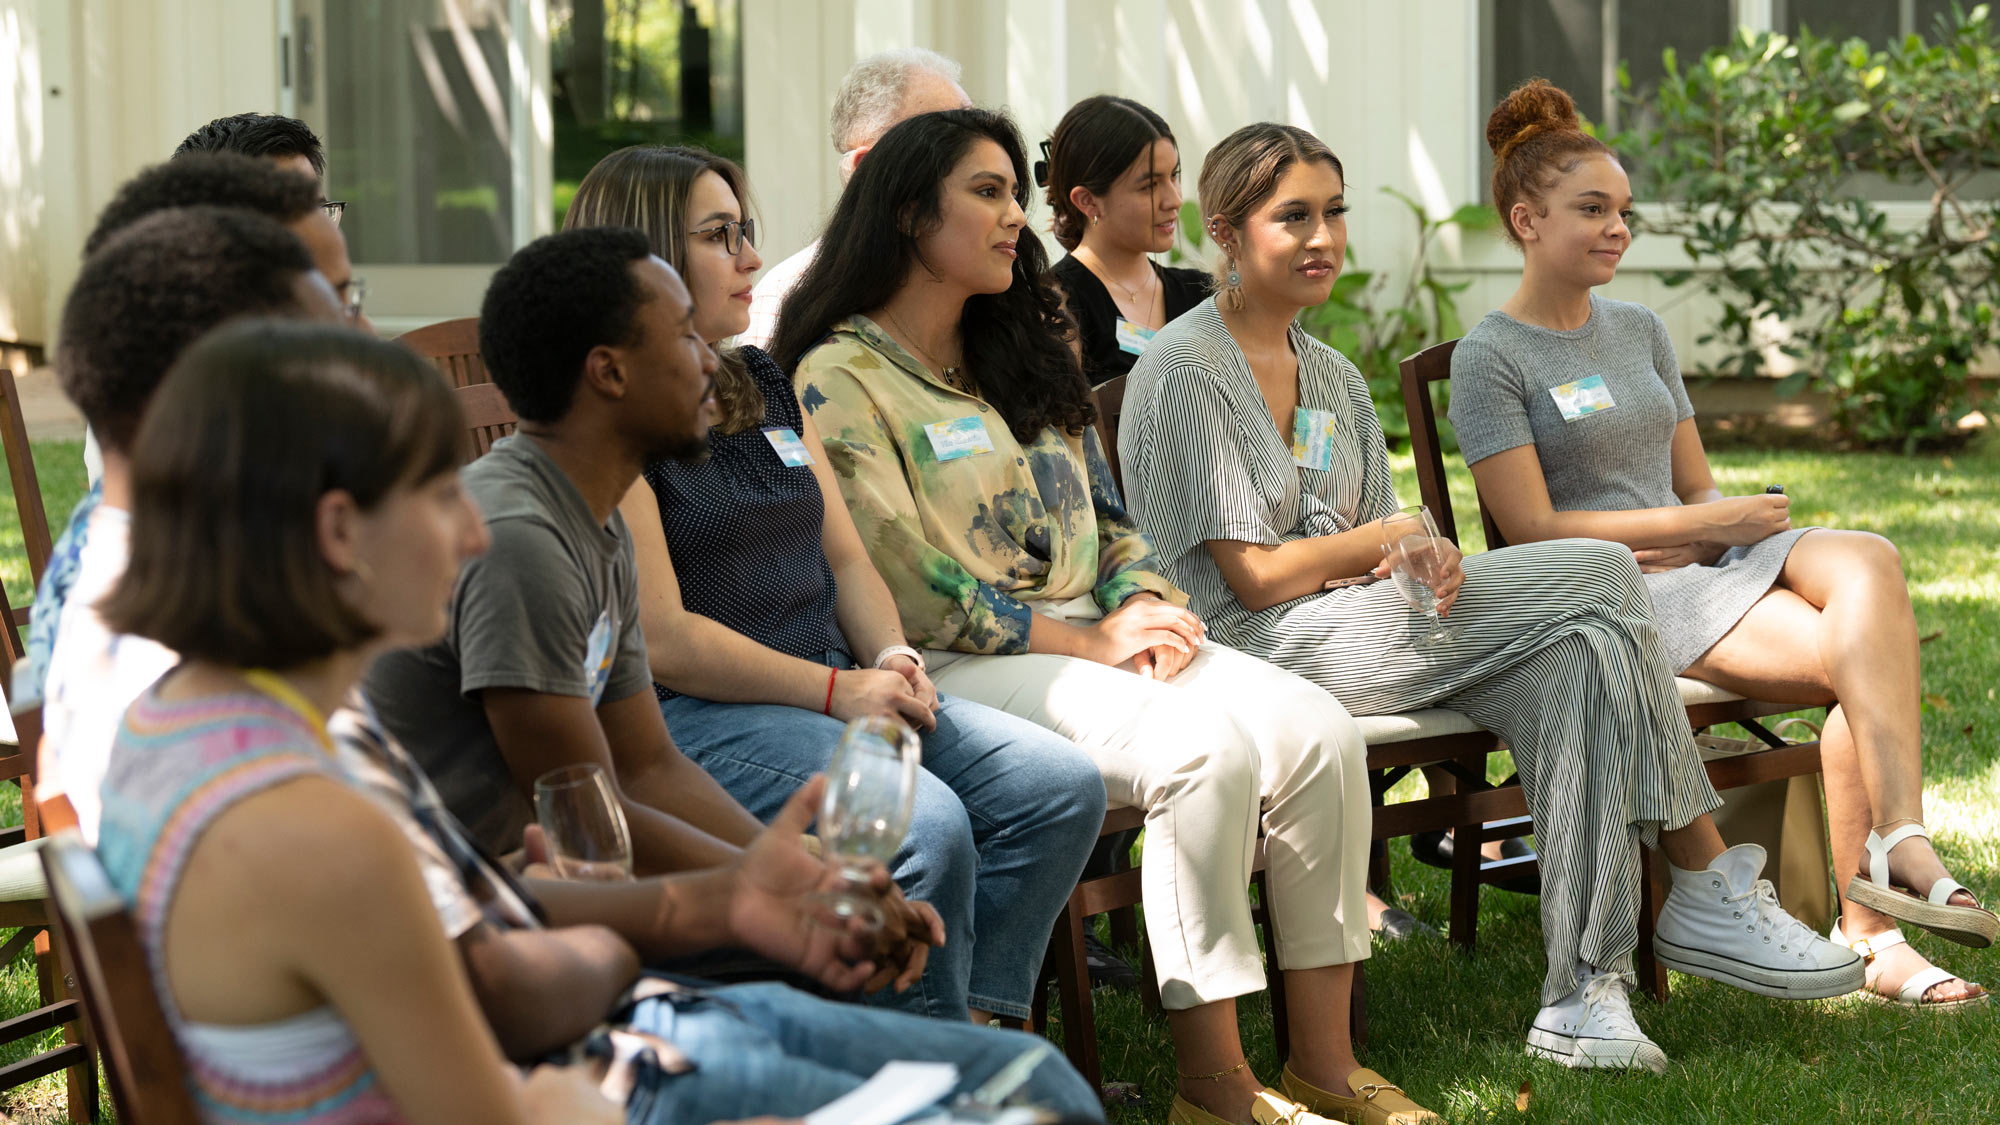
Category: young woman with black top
<point>1113,176</point>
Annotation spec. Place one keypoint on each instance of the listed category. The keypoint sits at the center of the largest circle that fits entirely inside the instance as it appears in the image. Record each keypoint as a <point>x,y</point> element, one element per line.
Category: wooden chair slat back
<point>148,1075</point>
<point>1433,365</point>
<point>454,346</point>
<point>1111,407</point>
<point>13,634</point>
<point>21,471</point>
<point>488,418</point>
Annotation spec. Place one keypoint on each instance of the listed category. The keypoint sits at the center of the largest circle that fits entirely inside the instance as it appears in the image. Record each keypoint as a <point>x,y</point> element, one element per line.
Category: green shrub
<point>1770,148</point>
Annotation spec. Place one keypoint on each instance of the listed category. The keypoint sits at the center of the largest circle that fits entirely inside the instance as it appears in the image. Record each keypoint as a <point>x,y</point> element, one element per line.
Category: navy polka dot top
<point>744,529</point>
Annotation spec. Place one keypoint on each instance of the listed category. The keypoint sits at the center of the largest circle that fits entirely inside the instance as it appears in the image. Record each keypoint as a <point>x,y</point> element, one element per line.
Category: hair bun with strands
<point>1534,107</point>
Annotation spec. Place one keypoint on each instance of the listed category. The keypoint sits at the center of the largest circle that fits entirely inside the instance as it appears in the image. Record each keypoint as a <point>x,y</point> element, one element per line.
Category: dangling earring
<point>1235,279</point>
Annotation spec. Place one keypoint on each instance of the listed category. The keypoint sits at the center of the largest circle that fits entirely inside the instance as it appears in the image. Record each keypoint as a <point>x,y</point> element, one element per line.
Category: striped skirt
<point>1557,653</point>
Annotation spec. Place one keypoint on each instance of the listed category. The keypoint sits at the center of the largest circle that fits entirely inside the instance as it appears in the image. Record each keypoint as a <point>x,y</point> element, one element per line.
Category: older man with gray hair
<point>879,92</point>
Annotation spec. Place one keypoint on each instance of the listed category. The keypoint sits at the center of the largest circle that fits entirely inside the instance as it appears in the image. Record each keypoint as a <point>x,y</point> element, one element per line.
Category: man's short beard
<point>691,451</point>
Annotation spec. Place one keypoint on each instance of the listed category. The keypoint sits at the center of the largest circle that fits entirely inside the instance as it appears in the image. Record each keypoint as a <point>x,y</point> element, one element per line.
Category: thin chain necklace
<point>1131,294</point>
<point>948,372</point>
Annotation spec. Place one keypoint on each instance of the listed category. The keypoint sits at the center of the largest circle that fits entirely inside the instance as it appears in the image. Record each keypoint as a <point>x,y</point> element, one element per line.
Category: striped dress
<point>175,767</point>
<point>1557,651</point>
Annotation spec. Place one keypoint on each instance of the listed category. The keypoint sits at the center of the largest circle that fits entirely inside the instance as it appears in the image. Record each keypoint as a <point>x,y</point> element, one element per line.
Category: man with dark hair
<point>223,179</point>
<point>591,339</point>
<point>208,179</point>
<point>151,289</point>
<point>286,141</point>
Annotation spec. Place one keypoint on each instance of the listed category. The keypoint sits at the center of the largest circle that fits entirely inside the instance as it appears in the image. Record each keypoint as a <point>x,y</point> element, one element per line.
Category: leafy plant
<point>1358,321</point>
<point>1771,149</point>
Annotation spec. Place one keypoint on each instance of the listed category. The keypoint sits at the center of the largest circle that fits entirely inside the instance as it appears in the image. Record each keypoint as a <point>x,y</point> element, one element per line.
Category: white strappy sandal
<point>1911,995</point>
<point>1975,926</point>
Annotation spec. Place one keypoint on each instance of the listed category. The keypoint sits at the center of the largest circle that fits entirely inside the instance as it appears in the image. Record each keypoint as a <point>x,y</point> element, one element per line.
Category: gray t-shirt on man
<point>552,606</point>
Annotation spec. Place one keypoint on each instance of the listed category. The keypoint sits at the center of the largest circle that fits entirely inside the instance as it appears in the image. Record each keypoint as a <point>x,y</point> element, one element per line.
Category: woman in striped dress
<point>1808,616</point>
<point>1555,647</point>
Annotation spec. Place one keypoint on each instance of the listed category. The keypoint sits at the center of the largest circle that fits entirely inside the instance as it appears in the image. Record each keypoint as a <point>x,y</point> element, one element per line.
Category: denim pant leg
<point>760,753</point>
<point>1036,803</point>
<point>767,1049</point>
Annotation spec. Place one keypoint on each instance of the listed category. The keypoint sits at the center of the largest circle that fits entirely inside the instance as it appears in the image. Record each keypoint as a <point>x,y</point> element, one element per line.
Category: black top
<point>1097,314</point>
<point>745,529</point>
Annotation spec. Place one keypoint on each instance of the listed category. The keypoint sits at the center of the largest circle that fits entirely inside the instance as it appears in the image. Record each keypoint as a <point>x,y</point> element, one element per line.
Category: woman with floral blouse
<point>935,361</point>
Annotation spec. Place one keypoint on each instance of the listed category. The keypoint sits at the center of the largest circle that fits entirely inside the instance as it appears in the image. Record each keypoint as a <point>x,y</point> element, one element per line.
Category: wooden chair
<point>488,418</point>
<point>148,1076</point>
<point>1120,891</point>
<point>1110,407</point>
<point>27,489</point>
<point>454,346</point>
<point>1707,705</point>
<point>24,908</point>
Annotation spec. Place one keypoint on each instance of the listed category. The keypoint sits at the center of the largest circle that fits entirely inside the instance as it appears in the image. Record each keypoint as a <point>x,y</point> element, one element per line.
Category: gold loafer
<point>1376,1100</point>
<point>1269,1108</point>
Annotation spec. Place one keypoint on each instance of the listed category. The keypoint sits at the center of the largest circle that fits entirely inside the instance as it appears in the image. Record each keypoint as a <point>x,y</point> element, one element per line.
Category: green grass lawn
<point>1449,1027</point>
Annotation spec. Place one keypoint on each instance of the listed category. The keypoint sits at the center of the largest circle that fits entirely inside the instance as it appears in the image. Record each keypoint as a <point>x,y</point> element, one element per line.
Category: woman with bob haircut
<point>1113,176</point>
<point>1256,463</point>
<point>767,627</point>
<point>930,351</point>
<point>1571,412</point>
<point>296,511</point>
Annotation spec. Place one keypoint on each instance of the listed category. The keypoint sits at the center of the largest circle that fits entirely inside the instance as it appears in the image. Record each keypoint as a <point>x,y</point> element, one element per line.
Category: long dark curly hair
<point>1016,342</point>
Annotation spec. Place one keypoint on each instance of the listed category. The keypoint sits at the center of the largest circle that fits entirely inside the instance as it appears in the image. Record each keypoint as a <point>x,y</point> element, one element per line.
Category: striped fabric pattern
<point>1558,652</point>
<point>174,768</point>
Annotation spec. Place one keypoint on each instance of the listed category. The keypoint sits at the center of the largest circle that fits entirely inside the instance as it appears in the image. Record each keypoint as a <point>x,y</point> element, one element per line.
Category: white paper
<point>898,1090</point>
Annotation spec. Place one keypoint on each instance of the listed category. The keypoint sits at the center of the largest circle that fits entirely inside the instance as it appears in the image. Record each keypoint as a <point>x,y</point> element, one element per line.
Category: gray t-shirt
<point>1515,384</point>
<point>552,606</point>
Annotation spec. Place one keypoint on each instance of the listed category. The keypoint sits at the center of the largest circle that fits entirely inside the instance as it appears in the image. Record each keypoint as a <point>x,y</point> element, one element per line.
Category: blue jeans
<point>1006,814</point>
<point>766,1049</point>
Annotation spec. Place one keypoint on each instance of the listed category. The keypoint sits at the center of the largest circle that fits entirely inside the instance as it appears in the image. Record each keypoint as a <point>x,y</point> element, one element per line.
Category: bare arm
<point>306,894</point>
<point>1511,484</point>
<point>656,772</point>
<point>542,990</point>
<point>538,732</point>
<point>1262,576</point>
<point>865,608</point>
<point>699,656</point>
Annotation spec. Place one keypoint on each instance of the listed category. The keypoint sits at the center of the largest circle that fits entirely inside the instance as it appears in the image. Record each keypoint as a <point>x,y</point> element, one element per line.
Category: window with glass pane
<point>415,102</point>
<point>1877,21</point>
<point>1580,44</point>
<point>629,72</point>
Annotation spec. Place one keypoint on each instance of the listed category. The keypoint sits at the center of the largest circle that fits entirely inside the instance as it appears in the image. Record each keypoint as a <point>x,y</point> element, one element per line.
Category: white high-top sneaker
<point>1724,923</point>
<point>1593,1026</point>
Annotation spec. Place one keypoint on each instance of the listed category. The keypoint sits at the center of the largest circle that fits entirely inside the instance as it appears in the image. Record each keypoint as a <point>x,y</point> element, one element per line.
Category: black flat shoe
<point>1107,969</point>
<point>1400,925</point>
<point>1435,849</point>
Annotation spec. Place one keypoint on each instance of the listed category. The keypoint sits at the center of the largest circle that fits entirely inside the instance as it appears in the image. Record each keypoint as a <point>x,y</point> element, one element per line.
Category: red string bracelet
<point>831,676</point>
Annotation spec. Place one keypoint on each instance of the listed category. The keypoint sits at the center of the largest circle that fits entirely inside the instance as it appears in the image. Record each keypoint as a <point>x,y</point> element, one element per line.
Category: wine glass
<point>583,824</point>
<point>1416,555</point>
<point>870,785</point>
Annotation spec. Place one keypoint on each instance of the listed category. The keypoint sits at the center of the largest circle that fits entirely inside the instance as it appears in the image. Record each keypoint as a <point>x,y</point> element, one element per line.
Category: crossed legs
<point>1838,629</point>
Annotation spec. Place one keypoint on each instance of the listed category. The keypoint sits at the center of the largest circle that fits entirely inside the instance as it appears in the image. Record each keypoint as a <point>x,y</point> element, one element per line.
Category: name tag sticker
<point>1312,438</point>
<point>960,437</point>
<point>1585,396</point>
<point>790,449</point>
<point>597,656</point>
<point>1133,338</point>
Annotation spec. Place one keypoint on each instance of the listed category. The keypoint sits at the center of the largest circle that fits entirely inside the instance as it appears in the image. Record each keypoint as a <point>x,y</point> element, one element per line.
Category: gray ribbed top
<point>1613,460</point>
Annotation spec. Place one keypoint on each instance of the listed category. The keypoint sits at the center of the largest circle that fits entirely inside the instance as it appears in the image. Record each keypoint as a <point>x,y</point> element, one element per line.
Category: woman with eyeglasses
<point>768,627</point>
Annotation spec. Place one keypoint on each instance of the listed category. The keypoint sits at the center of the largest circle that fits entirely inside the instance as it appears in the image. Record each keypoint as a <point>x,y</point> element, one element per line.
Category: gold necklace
<point>1104,273</point>
<point>947,372</point>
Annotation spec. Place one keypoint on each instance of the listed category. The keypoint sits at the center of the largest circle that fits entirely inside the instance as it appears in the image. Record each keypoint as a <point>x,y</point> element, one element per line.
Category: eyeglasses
<point>351,299</point>
<point>734,234</point>
<point>334,209</point>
